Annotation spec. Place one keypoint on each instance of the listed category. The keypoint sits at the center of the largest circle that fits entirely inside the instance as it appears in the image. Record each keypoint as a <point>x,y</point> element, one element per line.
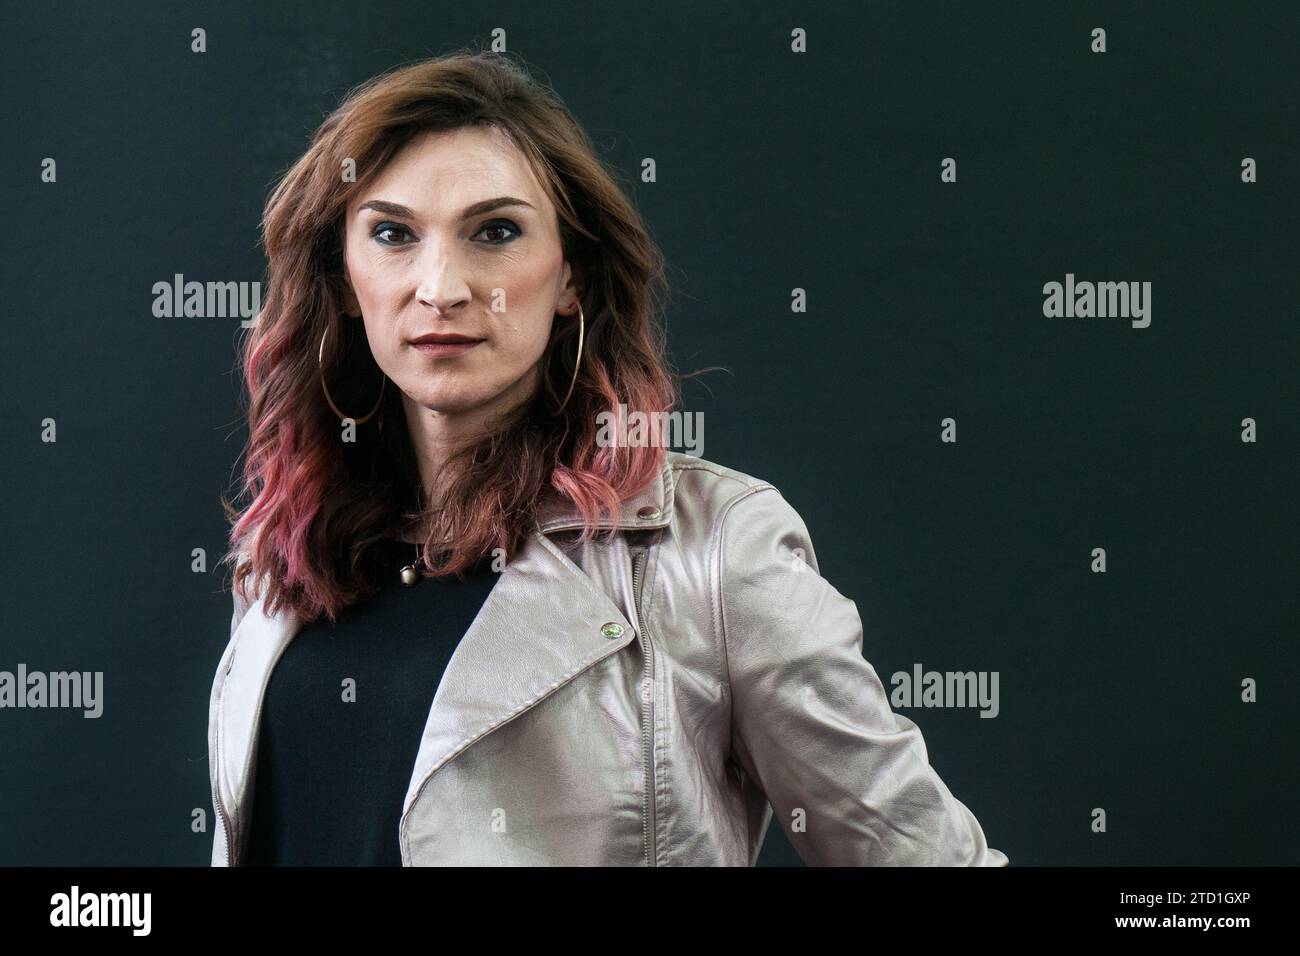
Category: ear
<point>351,306</point>
<point>568,304</point>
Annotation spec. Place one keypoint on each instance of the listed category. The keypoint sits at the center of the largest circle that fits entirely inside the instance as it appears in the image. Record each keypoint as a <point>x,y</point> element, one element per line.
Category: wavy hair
<point>315,505</point>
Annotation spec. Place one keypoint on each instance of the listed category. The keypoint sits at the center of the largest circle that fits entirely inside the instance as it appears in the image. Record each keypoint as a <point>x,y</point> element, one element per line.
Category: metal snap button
<point>648,512</point>
<point>611,629</point>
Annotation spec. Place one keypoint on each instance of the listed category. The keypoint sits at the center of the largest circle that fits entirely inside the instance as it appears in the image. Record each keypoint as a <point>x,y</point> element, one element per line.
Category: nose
<point>442,285</point>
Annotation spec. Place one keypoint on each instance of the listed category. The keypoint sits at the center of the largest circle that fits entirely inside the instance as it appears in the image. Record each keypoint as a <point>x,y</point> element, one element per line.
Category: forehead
<point>437,174</point>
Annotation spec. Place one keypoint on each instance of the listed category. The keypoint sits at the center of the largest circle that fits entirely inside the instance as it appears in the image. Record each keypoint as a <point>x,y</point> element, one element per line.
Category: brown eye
<point>384,228</point>
<point>496,228</point>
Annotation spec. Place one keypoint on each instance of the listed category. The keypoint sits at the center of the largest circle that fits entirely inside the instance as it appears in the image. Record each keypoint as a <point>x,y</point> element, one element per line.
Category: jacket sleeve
<point>220,852</point>
<point>849,780</point>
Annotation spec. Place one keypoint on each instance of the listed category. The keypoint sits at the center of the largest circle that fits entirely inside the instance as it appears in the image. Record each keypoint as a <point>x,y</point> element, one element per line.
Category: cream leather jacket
<point>654,700</point>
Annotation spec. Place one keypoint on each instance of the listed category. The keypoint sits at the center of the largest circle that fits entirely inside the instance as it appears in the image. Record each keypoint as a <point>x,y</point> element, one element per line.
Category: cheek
<point>523,333</point>
<point>530,296</point>
<point>368,284</point>
<point>377,296</point>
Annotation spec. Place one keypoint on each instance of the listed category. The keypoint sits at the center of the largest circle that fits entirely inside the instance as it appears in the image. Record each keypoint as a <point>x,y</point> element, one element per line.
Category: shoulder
<point>701,480</point>
<point>754,546</point>
<point>706,494</point>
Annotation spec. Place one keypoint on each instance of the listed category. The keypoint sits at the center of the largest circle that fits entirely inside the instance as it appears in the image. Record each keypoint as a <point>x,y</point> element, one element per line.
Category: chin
<point>445,401</point>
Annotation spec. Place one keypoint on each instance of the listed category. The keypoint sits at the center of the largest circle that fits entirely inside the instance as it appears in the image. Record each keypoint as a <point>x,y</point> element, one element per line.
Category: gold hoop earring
<point>582,329</point>
<point>320,360</point>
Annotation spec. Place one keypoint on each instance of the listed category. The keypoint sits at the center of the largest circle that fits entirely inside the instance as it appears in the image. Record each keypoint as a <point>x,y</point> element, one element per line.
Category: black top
<point>334,760</point>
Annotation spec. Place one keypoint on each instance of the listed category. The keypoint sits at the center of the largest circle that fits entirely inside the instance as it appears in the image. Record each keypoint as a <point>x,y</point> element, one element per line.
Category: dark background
<point>775,170</point>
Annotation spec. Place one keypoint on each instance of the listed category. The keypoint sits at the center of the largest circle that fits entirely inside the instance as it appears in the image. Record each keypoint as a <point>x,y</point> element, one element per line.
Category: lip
<point>443,344</point>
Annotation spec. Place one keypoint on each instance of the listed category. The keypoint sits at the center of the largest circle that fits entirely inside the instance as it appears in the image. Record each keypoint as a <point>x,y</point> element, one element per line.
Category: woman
<point>468,627</point>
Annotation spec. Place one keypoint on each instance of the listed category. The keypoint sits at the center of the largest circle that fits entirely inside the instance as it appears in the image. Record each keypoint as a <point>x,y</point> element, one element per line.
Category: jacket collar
<point>543,623</point>
<point>651,508</point>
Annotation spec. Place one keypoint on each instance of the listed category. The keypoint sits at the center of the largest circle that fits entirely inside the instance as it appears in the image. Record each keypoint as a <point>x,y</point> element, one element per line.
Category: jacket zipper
<point>222,816</point>
<point>225,826</point>
<point>647,712</point>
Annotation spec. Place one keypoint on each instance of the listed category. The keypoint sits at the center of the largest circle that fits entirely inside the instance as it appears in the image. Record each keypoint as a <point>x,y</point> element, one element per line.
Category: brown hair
<point>316,505</point>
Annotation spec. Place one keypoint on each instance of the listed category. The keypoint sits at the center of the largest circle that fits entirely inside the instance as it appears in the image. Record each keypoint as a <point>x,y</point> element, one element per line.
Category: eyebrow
<point>477,209</point>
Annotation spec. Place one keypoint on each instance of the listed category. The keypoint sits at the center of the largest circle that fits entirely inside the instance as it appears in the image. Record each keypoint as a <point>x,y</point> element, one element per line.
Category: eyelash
<point>495,223</point>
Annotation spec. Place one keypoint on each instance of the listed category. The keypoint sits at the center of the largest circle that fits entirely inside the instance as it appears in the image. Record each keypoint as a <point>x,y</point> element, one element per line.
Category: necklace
<point>411,572</point>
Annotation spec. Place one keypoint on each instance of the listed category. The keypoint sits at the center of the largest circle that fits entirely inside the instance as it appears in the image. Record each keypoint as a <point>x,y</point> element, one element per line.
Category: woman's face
<point>456,237</point>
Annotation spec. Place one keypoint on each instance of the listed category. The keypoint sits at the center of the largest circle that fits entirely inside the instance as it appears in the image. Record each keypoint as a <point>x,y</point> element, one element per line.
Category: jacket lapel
<point>543,623</point>
<point>258,642</point>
